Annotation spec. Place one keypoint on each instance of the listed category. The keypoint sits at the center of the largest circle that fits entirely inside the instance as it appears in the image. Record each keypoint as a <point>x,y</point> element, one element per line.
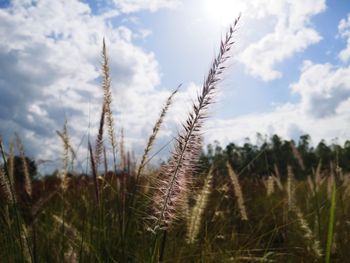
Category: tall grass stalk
<point>148,148</point>
<point>331,222</point>
<point>94,175</point>
<point>238,192</point>
<point>175,175</point>
<point>16,233</point>
<point>64,182</point>
<point>170,191</point>
<point>5,185</point>
<point>313,242</point>
<point>290,188</point>
<point>155,131</point>
<point>196,213</point>
<point>99,147</point>
<point>27,179</point>
<point>106,85</point>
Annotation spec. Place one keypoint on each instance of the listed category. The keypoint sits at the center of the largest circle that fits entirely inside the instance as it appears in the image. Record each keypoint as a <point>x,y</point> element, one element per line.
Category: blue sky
<point>289,73</point>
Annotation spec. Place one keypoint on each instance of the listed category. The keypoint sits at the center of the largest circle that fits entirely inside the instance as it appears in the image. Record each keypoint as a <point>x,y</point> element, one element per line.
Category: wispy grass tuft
<point>313,242</point>
<point>66,147</point>
<point>196,213</point>
<point>175,179</point>
<point>27,179</point>
<point>107,104</point>
<point>155,131</point>
<point>6,187</point>
<point>331,222</point>
<point>238,192</point>
<point>290,189</point>
<point>99,147</point>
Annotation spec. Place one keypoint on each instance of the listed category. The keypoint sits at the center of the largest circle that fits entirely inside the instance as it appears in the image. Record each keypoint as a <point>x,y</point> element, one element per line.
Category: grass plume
<point>27,179</point>
<point>290,189</point>
<point>66,146</point>
<point>5,185</point>
<point>312,241</point>
<point>107,97</point>
<point>196,213</point>
<point>155,131</point>
<point>99,147</point>
<point>175,180</point>
<point>238,192</point>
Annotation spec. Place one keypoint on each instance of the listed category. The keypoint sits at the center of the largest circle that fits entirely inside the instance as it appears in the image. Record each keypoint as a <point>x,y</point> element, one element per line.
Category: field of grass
<point>185,211</point>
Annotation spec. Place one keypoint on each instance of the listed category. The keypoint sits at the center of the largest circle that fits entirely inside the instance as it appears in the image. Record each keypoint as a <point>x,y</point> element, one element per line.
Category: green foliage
<point>256,160</point>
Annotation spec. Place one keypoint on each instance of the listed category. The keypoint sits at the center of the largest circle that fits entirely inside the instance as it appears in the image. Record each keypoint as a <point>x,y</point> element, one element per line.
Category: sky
<point>289,71</point>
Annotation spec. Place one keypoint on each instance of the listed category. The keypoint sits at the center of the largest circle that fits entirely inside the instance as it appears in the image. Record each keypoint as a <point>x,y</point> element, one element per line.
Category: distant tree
<point>251,160</point>
<point>324,152</point>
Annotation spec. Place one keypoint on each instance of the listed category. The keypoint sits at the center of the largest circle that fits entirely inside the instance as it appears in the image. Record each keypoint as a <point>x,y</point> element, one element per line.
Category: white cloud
<point>50,61</point>
<point>323,110</point>
<point>344,31</point>
<point>291,33</point>
<point>131,6</point>
<point>323,88</point>
<point>287,121</point>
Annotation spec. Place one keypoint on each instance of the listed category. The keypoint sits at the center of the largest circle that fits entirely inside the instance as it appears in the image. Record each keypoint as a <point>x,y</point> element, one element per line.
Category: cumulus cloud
<point>292,32</point>
<point>50,60</point>
<point>323,88</point>
<point>288,121</point>
<point>323,110</point>
<point>131,6</point>
<point>344,32</point>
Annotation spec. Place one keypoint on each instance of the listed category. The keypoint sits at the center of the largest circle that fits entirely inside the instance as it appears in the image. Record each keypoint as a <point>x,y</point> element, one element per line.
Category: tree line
<point>273,155</point>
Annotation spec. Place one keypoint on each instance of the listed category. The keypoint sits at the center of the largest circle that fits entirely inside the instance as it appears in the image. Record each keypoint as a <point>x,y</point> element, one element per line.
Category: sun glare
<point>223,11</point>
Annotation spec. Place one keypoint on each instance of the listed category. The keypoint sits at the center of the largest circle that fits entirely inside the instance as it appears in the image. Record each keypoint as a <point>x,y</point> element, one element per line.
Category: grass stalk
<point>172,188</point>
<point>106,85</point>
<point>331,222</point>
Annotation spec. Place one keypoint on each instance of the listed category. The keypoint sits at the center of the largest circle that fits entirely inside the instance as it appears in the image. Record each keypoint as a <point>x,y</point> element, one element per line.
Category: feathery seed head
<point>175,175</point>
<point>107,104</point>
<point>155,132</point>
<point>313,242</point>
<point>270,185</point>
<point>297,156</point>
<point>196,213</point>
<point>5,185</point>
<point>290,189</point>
<point>238,192</point>
<point>27,179</point>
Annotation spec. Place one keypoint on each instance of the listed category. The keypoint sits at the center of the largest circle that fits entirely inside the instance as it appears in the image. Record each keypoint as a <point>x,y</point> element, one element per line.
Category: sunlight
<point>223,11</point>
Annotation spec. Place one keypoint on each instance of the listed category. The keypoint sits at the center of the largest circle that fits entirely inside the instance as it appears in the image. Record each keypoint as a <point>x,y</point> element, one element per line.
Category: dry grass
<point>155,131</point>
<point>107,104</point>
<point>195,214</point>
<point>101,218</point>
<point>238,192</point>
<point>27,179</point>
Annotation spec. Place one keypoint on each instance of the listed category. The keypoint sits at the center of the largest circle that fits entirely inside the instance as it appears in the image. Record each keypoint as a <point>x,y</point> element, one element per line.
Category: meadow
<point>279,202</point>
